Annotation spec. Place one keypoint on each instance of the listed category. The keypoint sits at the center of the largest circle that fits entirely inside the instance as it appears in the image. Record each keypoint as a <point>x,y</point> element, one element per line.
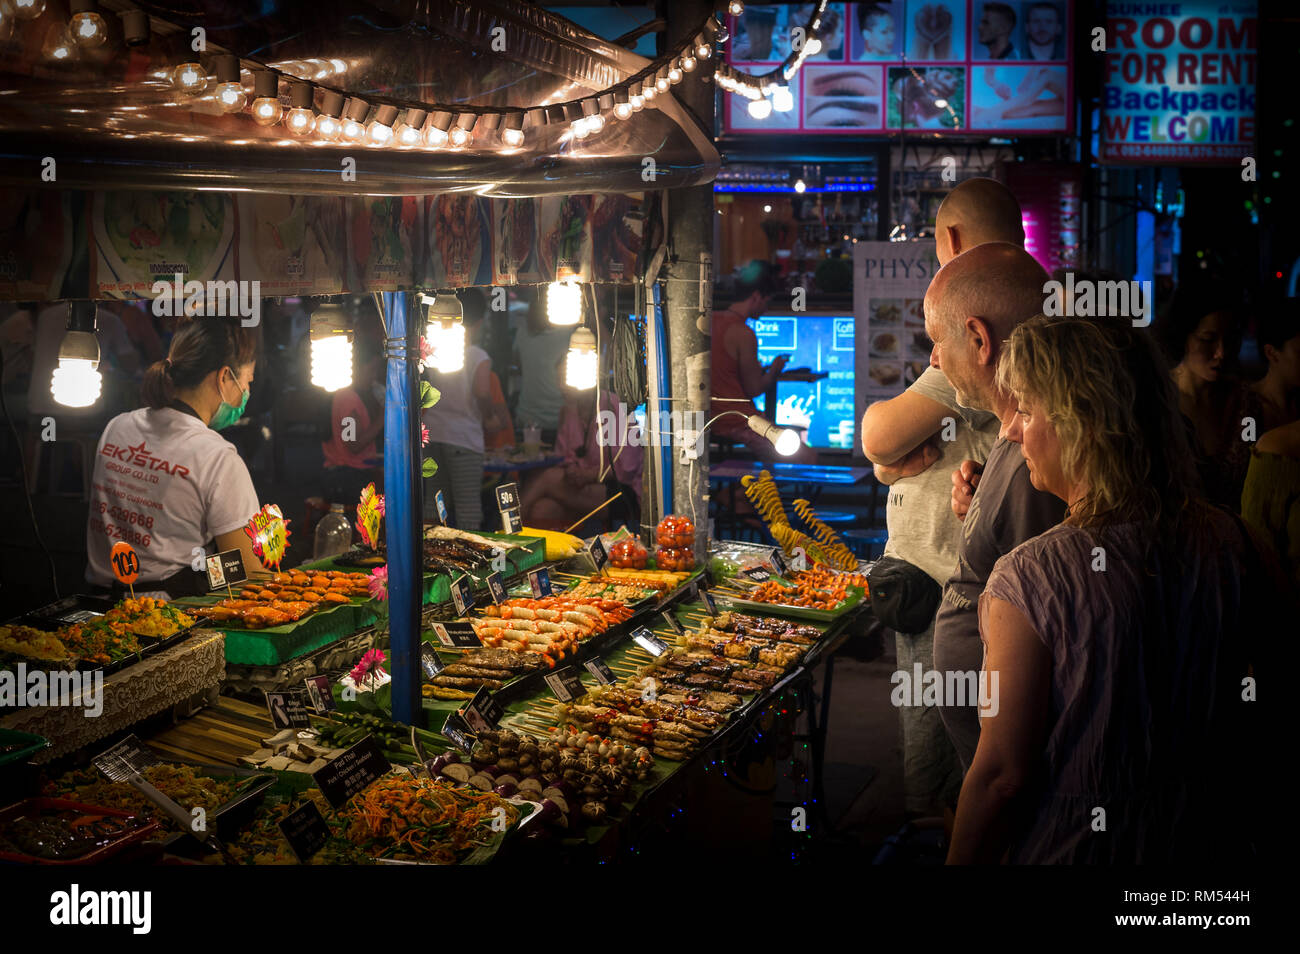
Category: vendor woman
<point>165,481</point>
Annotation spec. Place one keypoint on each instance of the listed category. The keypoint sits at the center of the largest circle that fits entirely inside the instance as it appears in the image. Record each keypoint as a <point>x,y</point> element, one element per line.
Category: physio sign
<point>1179,81</point>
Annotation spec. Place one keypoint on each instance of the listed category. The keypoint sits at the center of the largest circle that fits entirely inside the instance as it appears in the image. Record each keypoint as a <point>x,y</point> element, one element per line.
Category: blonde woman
<point>1119,638</point>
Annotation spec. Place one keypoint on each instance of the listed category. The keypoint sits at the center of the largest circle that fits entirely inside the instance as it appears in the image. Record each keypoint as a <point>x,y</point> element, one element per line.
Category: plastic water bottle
<point>333,534</point>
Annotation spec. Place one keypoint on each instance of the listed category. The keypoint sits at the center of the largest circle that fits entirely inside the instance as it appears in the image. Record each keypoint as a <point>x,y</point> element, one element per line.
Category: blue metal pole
<point>663,372</point>
<point>403,511</point>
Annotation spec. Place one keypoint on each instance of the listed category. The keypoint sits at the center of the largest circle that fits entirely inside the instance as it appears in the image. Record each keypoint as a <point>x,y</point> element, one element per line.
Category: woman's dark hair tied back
<point>200,346</point>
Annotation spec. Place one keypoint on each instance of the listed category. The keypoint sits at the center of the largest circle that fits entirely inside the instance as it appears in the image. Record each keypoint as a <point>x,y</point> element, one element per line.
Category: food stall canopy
<point>110,118</point>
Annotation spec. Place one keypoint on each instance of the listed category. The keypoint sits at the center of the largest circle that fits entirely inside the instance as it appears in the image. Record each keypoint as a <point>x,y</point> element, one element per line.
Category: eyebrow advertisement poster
<point>956,66</point>
<point>891,348</point>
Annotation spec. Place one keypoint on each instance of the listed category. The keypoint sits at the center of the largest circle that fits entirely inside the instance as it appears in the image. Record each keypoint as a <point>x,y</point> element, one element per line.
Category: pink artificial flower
<point>379,503</point>
<point>371,665</point>
<point>426,353</point>
<point>378,584</point>
<point>424,435</point>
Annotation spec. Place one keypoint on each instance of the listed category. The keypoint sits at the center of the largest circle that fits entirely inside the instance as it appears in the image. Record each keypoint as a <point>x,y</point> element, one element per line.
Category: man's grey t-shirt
<point>922,528</point>
<point>1005,512</point>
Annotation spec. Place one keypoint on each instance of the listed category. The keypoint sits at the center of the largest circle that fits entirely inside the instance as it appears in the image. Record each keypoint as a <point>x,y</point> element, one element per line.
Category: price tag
<point>599,555</point>
<point>673,622</point>
<point>321,693</point>
<point>226,569</point>
<point>566,684</point>
<point>126,565</point>
<point>306,831</point>
<point>462,594</point>
<point>370,510</point>
<point>287,710</point>
<point>459,635</point>
<point>604,675</point>
<point>540,581</point>
<point>778,562</point>
<point>483,712</point>
<point>511,520</point>
<point>430,661</point>
<point>649,642</point>
<point>457,730</point>
<point>441,503</point>
<point>508,497</point>
<point>496,587</point>
<point>270,534</point>
<point>757,573</point>
<point>351,772</point>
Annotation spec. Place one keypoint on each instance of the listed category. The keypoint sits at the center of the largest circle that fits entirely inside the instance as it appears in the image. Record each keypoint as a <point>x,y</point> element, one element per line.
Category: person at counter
<point>1118,690</point>
<point>164,480</point>
<point>737,376</point>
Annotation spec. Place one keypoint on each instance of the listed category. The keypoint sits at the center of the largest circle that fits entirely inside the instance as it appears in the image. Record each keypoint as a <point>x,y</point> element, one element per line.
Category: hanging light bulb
<point>782,99</point>
<point>650,90</point>
<point>230,89</point>
<point>354,119</point>
<point>582,365</point>
<point>512,130</point>
<point>799,186</point>
<point>435,128</point>
<point>445,332</point>
<point>87,28</point>
<point>661,81</point>
<point>76,382</point>
<point>576,117</point>
<point>783,439</point>
<point>564,303</point>
<point>462,134</point>
<point>636,101</point>
<point>622,104</point>
<point>704,50</point>
<point>688,63</point>
<point>592,116</point>
<point>57,47</point>
<point>736,7</point>
<point>328,125</point>
<point>760,108</point>
<point>675,73</point>
<point>266,98</point>
<point>410,131</point>
<point>189,78</point>
<point>301,118</point>
<point>331,348</point>
<point>28,9</point>
<point>380,130</point>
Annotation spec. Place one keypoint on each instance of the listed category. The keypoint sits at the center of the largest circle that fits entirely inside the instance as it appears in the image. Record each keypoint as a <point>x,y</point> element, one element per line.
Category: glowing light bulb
<point>76,382</point>
<point>636,101</point>
<point>353,130</point>
<point>564,303</point>
<point>408,135</point>
<point>378,134</point>
<point>674,75</point>
<point>231,97</point>
<point>582,364</point>
<point>459,136</point>
<point>704,51</point>
<point>580,129</point>
<point>300,121</point>
<point>688,63</point>
<point>189,78</point>
<point>649,93</point>
<point>267,111</point>
<point>760,108</point>
<point>736,7</point>
<point>661,84</point>
<point>331,362</point>
<point>799,185</point>
<point>28,9</point>
<point>512,137</point>
<point>329,128</point>
<point>787,443</point>
<point>87,29</point>
<point>623,110</point>
<point>782,99</point>
<point>446,340</point>
<point>595,123</point>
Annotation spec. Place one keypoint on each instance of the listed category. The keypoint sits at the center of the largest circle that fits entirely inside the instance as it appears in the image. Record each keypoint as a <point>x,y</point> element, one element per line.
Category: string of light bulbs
<point>377,122</point>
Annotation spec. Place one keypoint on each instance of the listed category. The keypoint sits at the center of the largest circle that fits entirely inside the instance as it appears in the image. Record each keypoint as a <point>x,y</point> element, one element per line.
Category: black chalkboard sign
<point>566,684</point>
<point>459,634</point>
<point>462,594</point>
<point>287,710</point>
<point>604,675</point>
<point>306,831</point>
<point>483,712</point>
<point>540,581</point>
<point>351,772</point>
<point>430,661</point>
<point>496,587</point>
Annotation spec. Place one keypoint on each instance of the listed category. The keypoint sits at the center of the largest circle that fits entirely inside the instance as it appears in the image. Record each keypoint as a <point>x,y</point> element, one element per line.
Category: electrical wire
<point>27,494</point>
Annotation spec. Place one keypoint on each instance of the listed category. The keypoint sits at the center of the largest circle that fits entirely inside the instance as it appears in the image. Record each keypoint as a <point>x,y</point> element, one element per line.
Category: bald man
<point>971,307</point>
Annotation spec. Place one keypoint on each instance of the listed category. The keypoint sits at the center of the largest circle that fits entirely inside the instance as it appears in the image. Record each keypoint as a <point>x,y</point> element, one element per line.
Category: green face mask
<point>227,414</point>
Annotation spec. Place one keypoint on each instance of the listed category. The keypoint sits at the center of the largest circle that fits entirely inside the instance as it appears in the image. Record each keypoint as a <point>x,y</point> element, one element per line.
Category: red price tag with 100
<point>126,564</point>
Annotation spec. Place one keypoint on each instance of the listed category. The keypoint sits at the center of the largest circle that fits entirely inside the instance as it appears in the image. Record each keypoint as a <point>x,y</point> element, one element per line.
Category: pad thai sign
<point>1179,82</point>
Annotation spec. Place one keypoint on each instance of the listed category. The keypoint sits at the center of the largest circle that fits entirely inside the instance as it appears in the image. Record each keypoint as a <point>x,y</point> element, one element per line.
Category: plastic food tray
<point>35,805</point>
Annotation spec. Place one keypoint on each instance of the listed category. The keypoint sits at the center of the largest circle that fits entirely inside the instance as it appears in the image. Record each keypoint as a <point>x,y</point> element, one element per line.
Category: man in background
<point>997,22</point>
<point>1043,32</point>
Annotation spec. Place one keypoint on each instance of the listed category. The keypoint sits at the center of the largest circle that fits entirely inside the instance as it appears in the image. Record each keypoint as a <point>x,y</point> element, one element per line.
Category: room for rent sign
<point>1179,82</point>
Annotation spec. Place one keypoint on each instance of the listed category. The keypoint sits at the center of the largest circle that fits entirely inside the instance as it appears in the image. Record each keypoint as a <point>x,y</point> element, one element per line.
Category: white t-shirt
<point>166,483</point>
<point>456,418</point>
<point>922,528</point>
